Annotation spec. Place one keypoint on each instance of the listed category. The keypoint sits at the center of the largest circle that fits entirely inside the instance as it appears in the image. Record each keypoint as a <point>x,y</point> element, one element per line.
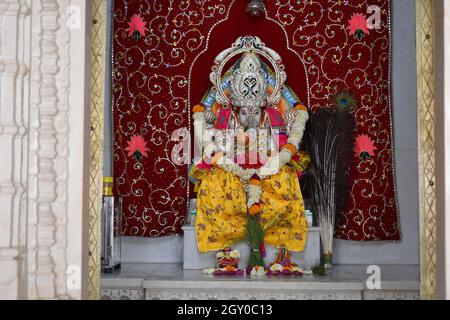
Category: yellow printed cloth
<point>222,210</point>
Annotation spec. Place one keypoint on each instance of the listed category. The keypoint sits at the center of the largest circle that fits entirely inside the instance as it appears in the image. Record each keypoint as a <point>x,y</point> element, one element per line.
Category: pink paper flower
<point>136,27</point>
<point>364,147</point>
<point>137,147</point>
<point>357,25</point>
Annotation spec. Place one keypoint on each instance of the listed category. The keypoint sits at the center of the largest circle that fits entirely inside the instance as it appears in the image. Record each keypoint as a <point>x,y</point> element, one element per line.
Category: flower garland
<point>251,177</point>
<point>229,165</point>
<point>272,166</point>
<point>298,127</point>
<point>254,193</point>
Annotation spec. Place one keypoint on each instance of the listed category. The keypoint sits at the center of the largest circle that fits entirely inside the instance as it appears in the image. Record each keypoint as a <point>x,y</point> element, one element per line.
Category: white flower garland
<point>273,165</point>
<point>203,136</point>
<point>229,165</point>
<point>298,128</point>
<point>254,194</point>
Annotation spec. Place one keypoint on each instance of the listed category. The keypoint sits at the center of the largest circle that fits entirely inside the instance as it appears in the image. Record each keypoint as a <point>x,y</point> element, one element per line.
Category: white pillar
<point>44,136</point>
<point>14,80</point>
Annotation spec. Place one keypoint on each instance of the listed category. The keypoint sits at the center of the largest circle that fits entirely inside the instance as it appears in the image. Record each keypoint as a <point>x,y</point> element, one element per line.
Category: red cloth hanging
<point>162,70</point>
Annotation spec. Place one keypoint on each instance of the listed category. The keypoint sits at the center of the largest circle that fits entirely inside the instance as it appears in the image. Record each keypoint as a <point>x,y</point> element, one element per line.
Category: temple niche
<point>289,115</point>
<point>224,150</point>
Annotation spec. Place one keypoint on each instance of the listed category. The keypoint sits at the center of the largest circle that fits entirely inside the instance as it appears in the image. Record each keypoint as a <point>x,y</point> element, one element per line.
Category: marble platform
<point>194,260</point>
<point>172,282</point>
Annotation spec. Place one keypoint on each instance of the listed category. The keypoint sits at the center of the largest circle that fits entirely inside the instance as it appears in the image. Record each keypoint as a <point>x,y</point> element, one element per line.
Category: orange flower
<point>255,182</point>
<point>230,268</point>
<point>291,148</point>
<point>254,210</point>
<point>301,107</point>
<point>198,109</point>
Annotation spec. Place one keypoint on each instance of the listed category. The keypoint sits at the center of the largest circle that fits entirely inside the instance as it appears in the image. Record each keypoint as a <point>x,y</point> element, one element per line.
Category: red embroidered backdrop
<point>161,69</point>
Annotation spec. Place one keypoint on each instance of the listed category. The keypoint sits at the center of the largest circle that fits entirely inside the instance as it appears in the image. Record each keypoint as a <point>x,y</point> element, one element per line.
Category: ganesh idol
<point>248,131</point>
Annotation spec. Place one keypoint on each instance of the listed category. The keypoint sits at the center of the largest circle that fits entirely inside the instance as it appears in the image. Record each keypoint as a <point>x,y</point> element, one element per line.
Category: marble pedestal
<point>194,260</point>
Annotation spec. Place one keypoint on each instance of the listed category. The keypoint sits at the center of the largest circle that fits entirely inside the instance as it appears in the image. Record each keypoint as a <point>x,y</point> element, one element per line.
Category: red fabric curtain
<point>161,69</point>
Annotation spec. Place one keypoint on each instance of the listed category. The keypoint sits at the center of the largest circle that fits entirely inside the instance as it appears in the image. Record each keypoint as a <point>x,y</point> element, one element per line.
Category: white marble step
<point>194,260</point>
<point>171,281</point>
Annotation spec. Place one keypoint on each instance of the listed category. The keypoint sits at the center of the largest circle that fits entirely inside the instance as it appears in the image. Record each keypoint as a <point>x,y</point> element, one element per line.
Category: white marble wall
<point>43,126</point>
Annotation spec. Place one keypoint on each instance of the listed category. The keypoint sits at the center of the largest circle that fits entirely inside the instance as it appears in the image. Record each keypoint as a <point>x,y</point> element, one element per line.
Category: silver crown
<point>248,85</point>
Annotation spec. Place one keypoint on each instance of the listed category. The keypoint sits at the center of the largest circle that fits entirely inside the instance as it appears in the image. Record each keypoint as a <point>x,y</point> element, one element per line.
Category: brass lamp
<point>255,8</point>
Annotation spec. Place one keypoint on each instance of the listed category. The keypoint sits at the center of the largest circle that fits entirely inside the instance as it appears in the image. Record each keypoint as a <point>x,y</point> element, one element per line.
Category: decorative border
<point>391,121</point>
<point>425,30</point>
<point>187,294</point>
<point>98,76</point>
<point>237,295</point>
<point>122,294</point>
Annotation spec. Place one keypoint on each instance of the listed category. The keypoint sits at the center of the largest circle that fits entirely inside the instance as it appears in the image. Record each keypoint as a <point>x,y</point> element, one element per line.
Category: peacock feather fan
<point>330,140</point>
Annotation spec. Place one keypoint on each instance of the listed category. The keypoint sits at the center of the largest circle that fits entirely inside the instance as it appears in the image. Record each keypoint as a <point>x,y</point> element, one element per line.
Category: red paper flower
<point>137,147</point>
<point>136,27</point>
<point>204,166</point>
<point>358,25</point>
<point>364,147</point>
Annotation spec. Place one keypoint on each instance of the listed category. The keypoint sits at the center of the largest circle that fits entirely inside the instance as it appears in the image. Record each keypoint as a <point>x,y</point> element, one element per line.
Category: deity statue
<point>228,258</point>
<point>248,130</point>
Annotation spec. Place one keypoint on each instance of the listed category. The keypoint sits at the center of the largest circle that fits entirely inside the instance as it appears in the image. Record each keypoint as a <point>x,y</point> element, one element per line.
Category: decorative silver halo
<point>248,44</point>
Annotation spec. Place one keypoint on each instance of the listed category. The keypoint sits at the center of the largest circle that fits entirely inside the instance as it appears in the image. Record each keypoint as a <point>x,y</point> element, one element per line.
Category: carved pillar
<point>43,115</point>
<point>14,77</point>
<point>47,110</point>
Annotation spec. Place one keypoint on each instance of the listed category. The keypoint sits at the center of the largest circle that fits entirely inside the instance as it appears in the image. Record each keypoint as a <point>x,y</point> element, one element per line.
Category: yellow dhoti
<point>222,210</point>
